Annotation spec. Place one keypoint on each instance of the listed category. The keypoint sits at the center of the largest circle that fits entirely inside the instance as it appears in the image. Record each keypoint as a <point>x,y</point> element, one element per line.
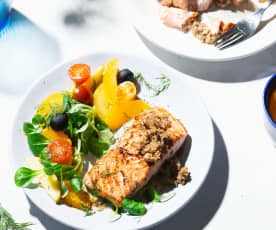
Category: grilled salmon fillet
<point>154,137</point>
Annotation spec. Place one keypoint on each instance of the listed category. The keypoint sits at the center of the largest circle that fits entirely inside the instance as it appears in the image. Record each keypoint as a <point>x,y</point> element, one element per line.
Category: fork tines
<point>229,38</point>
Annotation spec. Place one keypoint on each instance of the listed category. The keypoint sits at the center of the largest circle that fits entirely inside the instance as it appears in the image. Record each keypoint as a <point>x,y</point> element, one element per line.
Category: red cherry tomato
<point>61,151</point>
<point>83,94</point>
<point>79,73</point>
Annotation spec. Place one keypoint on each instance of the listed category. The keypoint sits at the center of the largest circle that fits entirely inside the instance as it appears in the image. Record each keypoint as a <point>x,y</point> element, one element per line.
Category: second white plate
<point>144,14</point>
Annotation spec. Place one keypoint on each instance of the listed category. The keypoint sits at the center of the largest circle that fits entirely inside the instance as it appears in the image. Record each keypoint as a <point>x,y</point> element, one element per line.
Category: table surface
<point>239,192</point>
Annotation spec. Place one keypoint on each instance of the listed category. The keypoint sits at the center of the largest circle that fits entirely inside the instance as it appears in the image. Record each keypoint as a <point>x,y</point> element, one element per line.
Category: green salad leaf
<point>37,143</point>
<point>64,189</point>
<point>87,133</point>
<point>24,177</point>
<point>154,196</point>
<point>38,119</point>
<point>97,146</point>
<point>61,171</point>
<point>83,125</point>
<point>76,183</point>
<point>107,136</point>
<point>133,207</point>
<point>104,132</point>
<point>29,128</point>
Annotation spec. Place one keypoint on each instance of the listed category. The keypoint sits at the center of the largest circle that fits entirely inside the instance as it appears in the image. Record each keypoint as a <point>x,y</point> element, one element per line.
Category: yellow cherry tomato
<point>126,91</point>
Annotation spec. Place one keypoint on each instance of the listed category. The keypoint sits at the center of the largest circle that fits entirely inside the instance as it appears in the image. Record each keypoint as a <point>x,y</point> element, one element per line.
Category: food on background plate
<point>196,5</point>
<point>69,125</point>
<point>177,18</point>
<point>187,16</point>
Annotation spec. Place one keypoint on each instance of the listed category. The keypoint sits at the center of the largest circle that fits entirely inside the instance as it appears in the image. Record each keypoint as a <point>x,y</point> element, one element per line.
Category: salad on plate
<point>98,145</point>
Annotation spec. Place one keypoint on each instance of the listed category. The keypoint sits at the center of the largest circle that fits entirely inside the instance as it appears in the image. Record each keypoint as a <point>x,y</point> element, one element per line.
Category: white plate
<point>180,99</point>
<point>146,21</point>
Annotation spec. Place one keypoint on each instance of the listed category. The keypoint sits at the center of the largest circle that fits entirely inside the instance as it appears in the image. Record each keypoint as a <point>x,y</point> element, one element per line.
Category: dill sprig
<point>8,223</point>
<point>86,210</point>
<point>163,85</point>
<point>109,173</point>
<point>106,173</point>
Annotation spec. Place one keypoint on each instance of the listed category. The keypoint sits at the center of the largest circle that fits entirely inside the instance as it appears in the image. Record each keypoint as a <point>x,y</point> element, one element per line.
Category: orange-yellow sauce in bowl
<point>272,106</point>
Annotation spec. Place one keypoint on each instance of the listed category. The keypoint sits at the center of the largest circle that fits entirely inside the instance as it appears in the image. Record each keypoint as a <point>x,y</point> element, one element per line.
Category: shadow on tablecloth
<point>26,53</point>
<point>199,210</point>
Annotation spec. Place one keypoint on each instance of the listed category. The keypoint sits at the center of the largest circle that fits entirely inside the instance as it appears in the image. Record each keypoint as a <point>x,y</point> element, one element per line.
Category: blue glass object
<point>5,6</point>
<point>26,52</point>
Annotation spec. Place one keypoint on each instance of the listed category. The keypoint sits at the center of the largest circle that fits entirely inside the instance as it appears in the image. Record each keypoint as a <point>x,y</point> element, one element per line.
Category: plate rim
<point>196,58</point>
<point>118,54</point>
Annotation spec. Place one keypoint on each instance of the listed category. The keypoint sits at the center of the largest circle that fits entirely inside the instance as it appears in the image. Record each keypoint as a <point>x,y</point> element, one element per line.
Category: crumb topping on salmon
<point>153,138</point>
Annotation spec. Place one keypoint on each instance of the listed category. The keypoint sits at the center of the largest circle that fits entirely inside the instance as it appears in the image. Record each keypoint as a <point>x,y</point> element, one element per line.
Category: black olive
<point>125,75</point>
<point>59,122</point>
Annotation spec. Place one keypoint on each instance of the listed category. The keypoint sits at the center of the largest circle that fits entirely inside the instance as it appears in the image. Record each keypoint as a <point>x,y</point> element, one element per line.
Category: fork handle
<point>267,4</point>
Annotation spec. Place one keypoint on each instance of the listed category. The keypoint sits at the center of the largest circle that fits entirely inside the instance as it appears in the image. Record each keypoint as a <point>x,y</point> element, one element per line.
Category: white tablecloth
<point>239,192</point>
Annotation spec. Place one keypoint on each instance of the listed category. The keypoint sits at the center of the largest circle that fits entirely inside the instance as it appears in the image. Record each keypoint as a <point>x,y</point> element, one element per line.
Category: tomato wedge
<point>79,73</point>
<point>61,151</point>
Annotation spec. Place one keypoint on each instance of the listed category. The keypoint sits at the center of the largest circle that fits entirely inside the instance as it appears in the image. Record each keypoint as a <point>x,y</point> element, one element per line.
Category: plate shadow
<point>257,66</point>
<point>200,210</point>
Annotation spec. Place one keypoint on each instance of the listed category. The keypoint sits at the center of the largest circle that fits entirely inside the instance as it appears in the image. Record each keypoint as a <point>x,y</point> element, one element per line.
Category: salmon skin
<point>154,137</point>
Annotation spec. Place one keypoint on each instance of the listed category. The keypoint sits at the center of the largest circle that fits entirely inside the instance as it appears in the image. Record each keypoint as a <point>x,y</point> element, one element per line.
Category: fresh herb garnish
<point>8,223</point>
<point>163,85</point>
<point>154,196</point>
<point>106,172</point>
<point>109,173</point>
<point>87,211</point>
<point>133,207</point>
<point>113,203</point>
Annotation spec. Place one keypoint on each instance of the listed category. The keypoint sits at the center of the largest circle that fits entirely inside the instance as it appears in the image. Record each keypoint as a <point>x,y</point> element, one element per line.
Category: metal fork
<point>243,29</point>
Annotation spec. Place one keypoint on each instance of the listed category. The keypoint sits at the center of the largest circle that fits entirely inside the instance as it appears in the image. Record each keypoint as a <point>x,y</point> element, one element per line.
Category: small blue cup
<point>5,7</point>
<point>270,125</point>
